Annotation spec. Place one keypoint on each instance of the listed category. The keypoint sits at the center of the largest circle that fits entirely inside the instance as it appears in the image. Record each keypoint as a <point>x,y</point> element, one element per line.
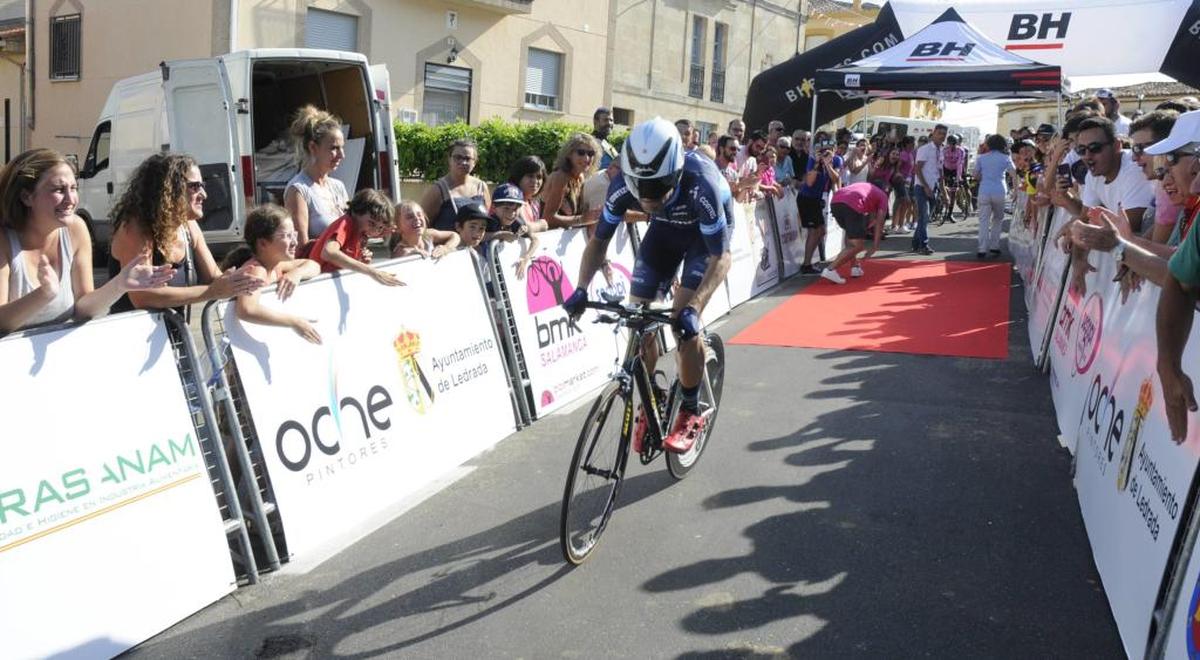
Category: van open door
<point>385,135</point>
<point>201,114</point>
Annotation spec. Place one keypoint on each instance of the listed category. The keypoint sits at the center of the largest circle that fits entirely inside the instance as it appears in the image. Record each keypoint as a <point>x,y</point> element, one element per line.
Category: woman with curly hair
<point>158,213</point>
<point>562,196</point>
<point>46,251</point>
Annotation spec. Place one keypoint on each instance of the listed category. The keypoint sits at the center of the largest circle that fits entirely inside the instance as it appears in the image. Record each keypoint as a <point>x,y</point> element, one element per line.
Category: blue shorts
<point>663,248</point>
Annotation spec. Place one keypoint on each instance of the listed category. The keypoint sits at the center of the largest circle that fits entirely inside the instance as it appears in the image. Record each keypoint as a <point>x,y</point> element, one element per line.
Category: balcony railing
<point>717,92</point>
<point>696,82</point>
<point>503,6</point>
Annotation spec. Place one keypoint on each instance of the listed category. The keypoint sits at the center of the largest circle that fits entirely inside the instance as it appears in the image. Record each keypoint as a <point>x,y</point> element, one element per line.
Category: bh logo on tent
<point>932,51</point>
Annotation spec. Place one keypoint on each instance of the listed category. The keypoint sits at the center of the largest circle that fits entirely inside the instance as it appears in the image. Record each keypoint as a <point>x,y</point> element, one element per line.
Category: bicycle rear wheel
<point>679,465</point>
<point>597,469</point>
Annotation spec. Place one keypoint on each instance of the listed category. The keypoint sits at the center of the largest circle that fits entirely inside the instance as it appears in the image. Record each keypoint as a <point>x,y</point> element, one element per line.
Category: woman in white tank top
<point>46,252</point>
<point>313,198</point>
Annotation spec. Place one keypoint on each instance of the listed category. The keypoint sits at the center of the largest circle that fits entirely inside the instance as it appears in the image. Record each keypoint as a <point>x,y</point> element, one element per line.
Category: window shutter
<point>331,31</point>
<point>541,75</point>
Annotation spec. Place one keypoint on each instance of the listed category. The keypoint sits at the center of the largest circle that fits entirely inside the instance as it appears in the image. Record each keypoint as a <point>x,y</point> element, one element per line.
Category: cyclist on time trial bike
<point>690,208</point>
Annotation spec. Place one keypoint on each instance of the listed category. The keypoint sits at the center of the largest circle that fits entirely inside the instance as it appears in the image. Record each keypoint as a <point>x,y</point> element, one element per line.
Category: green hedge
<point>421,149</point>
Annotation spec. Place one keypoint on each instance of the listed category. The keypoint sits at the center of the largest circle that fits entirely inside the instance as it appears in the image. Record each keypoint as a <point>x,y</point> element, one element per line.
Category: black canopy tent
<point>948,60</point>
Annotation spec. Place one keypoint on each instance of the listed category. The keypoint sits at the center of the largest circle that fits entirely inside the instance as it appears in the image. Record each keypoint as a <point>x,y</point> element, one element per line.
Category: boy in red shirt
<point>859,209</point>
<point>343,245</point>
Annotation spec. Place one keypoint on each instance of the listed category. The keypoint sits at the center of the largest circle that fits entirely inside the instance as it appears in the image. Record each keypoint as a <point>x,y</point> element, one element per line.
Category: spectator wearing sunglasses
<point>159,212</point>
<point>1148,129</point>
<point>343,245</point>
<point>270,255</point>
<point>1180,292</point>
<point>563,195</point>
<point>1113,181</point>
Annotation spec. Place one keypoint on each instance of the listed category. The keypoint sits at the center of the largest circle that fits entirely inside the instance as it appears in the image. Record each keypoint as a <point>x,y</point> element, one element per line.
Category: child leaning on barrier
<point>415,236</point>
<point>471,224</point>
<point>343,245</point>
<point>506,223</point>
<point>270,255</point>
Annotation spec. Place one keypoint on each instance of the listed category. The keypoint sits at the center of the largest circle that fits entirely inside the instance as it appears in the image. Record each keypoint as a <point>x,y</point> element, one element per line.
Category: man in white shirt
<point>1112,110</point>
<point>928,172</point>
<point>1113,181</point>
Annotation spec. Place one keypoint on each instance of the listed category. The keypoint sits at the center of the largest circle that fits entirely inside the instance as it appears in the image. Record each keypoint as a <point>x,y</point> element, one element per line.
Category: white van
<point>231,114</point>
<point>902,126</point>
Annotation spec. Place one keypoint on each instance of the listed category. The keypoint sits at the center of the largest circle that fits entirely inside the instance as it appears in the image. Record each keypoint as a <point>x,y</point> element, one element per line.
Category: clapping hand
<point>233,283</point>
<point>47,278</point>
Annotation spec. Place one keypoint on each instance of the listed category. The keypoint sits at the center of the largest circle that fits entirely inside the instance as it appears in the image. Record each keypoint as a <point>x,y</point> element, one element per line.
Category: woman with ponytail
<point>313,198</point>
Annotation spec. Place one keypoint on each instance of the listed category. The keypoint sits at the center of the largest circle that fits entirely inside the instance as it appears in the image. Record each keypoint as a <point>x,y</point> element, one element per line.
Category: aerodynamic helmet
<point>652,159</point>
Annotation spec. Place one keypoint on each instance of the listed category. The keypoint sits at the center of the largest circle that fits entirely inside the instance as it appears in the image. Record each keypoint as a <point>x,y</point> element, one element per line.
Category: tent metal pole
<point>813,126</point>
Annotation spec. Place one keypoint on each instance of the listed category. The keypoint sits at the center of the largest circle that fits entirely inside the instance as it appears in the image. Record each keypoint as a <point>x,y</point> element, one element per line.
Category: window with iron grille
<point>696,76</point>
<point>720,46</point>
<point>65,47</point>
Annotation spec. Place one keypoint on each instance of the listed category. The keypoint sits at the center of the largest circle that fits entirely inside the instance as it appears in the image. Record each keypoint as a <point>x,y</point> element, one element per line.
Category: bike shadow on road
<point>928,512</point>
<point>452,578</point>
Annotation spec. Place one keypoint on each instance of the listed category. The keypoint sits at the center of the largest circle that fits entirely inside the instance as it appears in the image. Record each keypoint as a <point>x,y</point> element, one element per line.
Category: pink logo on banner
<point>546,285</point>
<point>547,398</point>
<point>1091,326</point>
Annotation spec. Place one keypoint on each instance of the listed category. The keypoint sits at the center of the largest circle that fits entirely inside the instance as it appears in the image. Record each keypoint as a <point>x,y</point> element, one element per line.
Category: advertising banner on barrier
<point>407,383</point>
<point>1079,326</point>
<point>755,261</point>
<point>1025,247</point>
<point>1048,285</point>
<point>565,360</point>
<point>791,235</point>
<point>1132,480</point>
<point>109,529</point>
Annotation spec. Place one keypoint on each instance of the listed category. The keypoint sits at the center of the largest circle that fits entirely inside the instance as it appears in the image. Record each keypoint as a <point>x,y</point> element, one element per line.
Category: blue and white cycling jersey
<point>702,200</point>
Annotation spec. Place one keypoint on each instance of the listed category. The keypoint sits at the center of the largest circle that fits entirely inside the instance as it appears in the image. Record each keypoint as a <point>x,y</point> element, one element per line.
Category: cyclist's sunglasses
<point>1091,147</point>
<point>1175,156</point>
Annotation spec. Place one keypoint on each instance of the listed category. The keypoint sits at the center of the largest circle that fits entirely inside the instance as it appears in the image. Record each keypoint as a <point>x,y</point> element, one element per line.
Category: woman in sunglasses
<point>564,187</point>
<point>158,213</point>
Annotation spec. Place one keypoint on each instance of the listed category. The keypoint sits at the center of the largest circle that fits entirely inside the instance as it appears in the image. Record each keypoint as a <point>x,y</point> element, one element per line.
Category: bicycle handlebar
<point>636,313</point>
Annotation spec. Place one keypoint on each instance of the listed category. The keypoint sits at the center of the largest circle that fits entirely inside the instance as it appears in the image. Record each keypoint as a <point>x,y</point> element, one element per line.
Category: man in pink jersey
<point>859,209</point>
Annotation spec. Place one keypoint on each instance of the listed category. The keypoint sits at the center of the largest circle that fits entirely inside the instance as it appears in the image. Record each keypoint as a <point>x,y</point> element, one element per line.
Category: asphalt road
<point>851,504</point>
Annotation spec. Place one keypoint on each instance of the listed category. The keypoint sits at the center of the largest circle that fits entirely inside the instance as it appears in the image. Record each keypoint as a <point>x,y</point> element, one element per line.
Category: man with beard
<point>602,125</point>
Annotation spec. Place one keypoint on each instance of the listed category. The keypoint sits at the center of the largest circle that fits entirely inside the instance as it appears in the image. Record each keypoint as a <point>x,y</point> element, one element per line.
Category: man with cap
<point>602,125</point>
<point>1176,306</point>
<point>1112,110</point>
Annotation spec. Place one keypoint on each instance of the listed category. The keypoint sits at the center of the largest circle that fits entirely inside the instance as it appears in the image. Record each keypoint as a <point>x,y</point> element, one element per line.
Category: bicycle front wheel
<point>597,469</point>
<point>679,465</point>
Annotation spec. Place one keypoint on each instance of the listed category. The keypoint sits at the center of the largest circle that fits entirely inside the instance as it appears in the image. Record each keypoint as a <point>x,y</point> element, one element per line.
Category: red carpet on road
<point>953,308</point>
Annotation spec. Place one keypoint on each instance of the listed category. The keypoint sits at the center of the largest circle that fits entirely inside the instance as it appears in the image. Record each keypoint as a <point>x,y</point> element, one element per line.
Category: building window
<point>543,80</point>
<point>1030,121</point>
<point>814,41</point>
<point>447,94</point>
<point>696,77</point>
<point>64,47</point>
<point>330,30</point>
<point>716,92</point>
<point>705,129</point>
<point>622,116</point>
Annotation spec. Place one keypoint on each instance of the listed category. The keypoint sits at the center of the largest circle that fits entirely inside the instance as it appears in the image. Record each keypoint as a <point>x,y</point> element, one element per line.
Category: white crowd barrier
<point>109,530</point>
<point>564,360</point>
<point>326,442</point>
<point>408,383</point>
<point>1024,244</point>
<point>1044,293</point>
<point>1135,486</point>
